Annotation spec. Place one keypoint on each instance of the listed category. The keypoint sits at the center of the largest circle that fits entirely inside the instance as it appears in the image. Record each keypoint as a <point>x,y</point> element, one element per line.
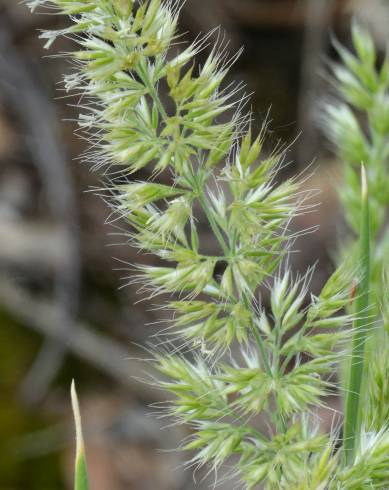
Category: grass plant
<point>148,109</point>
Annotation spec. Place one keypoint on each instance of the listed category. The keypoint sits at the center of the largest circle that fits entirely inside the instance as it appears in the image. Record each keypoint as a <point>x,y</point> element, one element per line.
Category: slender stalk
<point>152,90</point>
<point>353,408</point>
<point>262,351</point>
<point>211,220</point>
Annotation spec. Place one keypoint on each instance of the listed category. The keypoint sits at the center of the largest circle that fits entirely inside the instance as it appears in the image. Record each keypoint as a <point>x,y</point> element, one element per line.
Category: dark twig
<point>100,351</point>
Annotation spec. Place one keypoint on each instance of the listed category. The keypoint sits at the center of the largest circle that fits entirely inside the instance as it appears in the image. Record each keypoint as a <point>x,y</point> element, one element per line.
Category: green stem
<point>212,222</point>
<point>262,350</point>
<point>142,73</point>
<point>352,410</point>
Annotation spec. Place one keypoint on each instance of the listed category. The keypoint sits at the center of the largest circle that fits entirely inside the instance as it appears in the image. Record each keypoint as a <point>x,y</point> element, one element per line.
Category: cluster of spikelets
<point>147,106</point>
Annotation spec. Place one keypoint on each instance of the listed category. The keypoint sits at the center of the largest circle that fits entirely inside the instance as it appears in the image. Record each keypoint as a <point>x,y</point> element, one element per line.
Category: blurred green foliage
<point>17,348</point>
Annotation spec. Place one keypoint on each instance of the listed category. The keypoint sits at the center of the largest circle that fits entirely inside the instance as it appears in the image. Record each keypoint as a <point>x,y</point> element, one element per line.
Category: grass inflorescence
<point>146,106</point>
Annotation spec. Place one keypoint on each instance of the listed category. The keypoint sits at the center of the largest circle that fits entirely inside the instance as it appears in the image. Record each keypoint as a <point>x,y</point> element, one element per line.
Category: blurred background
<point>62,312</point>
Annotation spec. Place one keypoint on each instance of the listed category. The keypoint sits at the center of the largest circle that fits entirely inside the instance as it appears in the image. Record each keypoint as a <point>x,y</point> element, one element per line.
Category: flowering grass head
<point>147,109</point>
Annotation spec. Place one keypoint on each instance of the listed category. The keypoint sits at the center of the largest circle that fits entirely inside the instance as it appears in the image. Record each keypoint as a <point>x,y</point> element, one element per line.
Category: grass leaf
<point>357,366</point>
<point>81,473</point>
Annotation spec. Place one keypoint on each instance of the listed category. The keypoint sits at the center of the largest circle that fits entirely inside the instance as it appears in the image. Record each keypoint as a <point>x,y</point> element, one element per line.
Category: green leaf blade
<point>81,480</point>
<point>357,367</point>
